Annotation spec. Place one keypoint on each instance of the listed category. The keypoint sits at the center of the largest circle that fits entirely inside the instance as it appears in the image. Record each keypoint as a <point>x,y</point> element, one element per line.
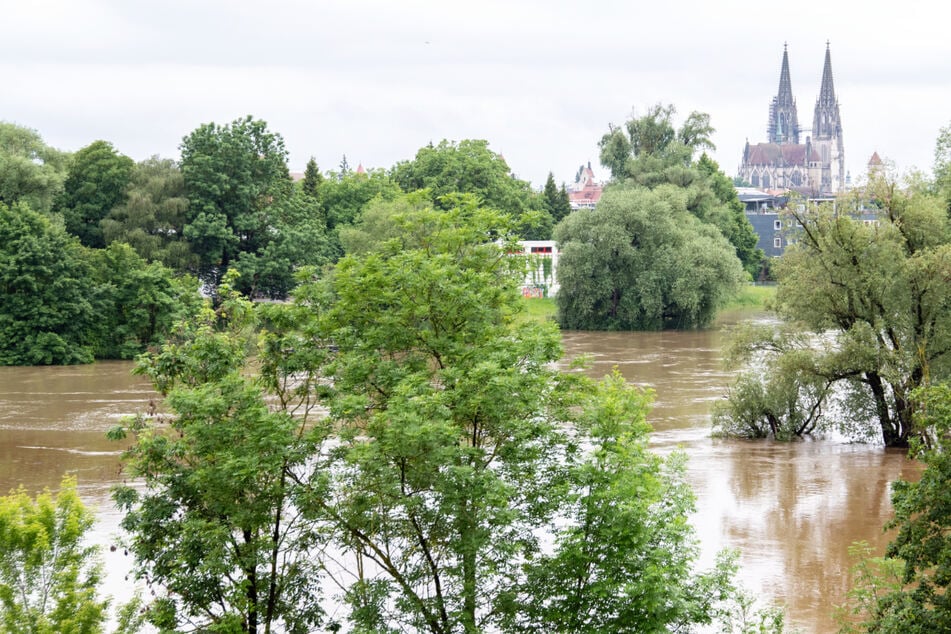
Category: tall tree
<point>213,525</point>
<point>459,443</point>
<point>49,574</point>
<point>556,200</point>
<point>96,183</point>
<point>876,293</point>
<point>641,261</point>
<point>649,151</point>
<point>310,184</point>
<point>469,166</point>
<point>153,216</point>
<point>46,314</point>
<point>234,175</point>
<point>30,171</point>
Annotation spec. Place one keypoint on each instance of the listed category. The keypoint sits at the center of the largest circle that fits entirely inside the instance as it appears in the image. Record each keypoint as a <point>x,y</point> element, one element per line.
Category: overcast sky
<point>541,81</point>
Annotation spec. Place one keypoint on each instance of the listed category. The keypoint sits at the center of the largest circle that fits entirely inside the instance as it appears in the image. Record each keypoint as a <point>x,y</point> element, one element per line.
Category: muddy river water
<point>792,509</point>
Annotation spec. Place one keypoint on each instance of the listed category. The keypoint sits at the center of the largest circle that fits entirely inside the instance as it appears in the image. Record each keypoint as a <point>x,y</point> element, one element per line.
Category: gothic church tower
<point>827,132</point>
<point>783,120</point>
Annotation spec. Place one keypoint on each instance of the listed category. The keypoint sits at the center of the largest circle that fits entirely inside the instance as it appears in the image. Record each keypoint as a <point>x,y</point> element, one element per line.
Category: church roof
<point>875,160</point>
<point>778,155</point>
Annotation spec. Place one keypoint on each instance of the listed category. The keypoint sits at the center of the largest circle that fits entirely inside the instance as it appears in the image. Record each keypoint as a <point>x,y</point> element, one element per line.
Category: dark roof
<point>776,154</point>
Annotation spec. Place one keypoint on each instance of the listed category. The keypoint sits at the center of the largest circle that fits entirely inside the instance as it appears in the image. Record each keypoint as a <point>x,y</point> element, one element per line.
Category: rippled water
<point>791,508</point>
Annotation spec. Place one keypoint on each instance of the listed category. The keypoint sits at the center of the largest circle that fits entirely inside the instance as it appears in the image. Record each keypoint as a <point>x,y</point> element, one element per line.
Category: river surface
<point>792,509</point>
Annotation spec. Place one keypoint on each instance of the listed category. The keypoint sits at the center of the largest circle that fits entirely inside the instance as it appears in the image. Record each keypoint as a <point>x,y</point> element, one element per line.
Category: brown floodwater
<point>792,509</point>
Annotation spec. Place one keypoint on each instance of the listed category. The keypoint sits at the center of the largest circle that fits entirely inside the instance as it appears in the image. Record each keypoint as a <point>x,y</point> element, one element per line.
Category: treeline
<point>72,291</point>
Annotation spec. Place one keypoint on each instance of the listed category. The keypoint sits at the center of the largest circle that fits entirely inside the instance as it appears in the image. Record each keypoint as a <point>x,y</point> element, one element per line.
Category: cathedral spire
<point>783,120</point>
<point>827,91</point>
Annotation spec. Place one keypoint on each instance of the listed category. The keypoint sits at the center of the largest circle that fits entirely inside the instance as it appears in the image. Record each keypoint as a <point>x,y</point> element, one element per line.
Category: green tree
<point>650,152</point>
<point>877,293</point>
<point>459,442</point>
<point>641,260</point>
<point>31,172</point>
<point>96,182</point>
<point>136,303</point>
<point>469,166</point>
<point>310,184</point>
<point>215,530</point>
<point>343,199</point>
<point>152,218</point>
<point>556,200</point>
<point>45,292</point>
<point>235,177</point>
<point>381,221</point>
<point>49,574</point>
<point>907,590</point>
<point>942,165</point>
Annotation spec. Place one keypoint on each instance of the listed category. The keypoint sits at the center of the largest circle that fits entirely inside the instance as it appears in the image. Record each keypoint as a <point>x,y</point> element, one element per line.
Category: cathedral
<point>813,167</point>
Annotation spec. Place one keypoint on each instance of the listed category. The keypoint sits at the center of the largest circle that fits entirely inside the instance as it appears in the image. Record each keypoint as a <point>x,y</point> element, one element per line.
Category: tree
<point>650,152</point>
<point>640,260</point>
<point>942,165</point>
<point>460,446</point>
<point>235,176</point>
<point>95,184</point>
<point>469,166</point>
<point>46,312</point>
<point>31,172</point>
<point>877,293</point>
<point>152,218</point>
<point>917,600</point>
<point>215,530</point>
<point>136,303</point>
<point>310,184</point>
<point>556,201</point>
<point>49,574</point>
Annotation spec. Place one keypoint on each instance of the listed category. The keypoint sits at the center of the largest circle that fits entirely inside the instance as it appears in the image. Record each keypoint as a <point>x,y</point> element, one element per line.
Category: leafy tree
<point>310,184</point>
<point>49,575</point>
<point>45,292</point>
<point>942,165</point>
<point>784,393</point>
<point>878,292</point>
<point>300,239</point>
<point>650,152</point>
<point>96,182</point>
<point>31,172</point>
<point>153,216</point>
<point>556,201</point>
<point>623,562</point>
<point>136,303</point>
<point>640,260</point>
<point>907,590</point>
<point>458,443</point>
<point>469,166</point>
<point>235,176</point>
<point>381,221</point>
<point>215,530</point>
<point>344,198</point>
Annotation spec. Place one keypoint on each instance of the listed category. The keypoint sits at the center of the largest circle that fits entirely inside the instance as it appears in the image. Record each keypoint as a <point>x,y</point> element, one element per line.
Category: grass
<point>540,309</point>
<point>751,296</point>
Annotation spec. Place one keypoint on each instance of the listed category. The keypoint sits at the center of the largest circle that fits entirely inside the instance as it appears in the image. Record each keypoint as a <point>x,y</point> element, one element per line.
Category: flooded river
<point>792,509</point>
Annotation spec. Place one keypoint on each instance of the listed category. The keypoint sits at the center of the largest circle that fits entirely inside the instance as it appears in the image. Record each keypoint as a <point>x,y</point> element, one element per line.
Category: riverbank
<point>750,296</point>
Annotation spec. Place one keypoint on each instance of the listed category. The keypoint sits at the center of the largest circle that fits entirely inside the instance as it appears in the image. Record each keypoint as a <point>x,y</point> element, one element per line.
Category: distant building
<point>815,166</point>
<point>585,192</point>
<point>540,280</point>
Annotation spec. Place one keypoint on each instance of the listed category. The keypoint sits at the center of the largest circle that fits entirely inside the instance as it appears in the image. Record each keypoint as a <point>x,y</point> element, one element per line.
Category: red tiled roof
<point>590,193</point>
<point>875,160</point>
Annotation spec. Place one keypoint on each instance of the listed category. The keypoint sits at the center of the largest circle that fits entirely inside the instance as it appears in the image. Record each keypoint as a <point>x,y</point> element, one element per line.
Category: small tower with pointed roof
<point>827,131</point>
<point>783,119</point>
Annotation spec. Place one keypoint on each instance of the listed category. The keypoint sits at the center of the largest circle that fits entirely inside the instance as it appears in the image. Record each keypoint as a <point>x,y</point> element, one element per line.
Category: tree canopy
<point>642,261</point>
<point>649,151</point>
<point>96,182</point>
<point>31,172</point>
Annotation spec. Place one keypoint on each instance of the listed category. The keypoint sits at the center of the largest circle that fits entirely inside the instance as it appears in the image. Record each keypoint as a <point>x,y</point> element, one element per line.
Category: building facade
<point>791,159</point>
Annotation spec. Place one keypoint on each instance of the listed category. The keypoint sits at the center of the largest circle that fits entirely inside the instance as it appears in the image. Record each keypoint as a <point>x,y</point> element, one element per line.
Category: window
<point>778,243</point>
<point>777,224</point>
<point>541,249</point>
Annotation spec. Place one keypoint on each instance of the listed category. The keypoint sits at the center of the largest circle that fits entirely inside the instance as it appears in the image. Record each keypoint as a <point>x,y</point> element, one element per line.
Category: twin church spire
<point>783,119</point>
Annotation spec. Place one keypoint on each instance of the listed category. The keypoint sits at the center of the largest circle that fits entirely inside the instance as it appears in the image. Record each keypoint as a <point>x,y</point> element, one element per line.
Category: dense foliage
<point>96,182</point>
<point>31,172</point>
<point>464,479</point>
<point>49,574</point>
<point>876,295</point>
<point>642,261</point>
